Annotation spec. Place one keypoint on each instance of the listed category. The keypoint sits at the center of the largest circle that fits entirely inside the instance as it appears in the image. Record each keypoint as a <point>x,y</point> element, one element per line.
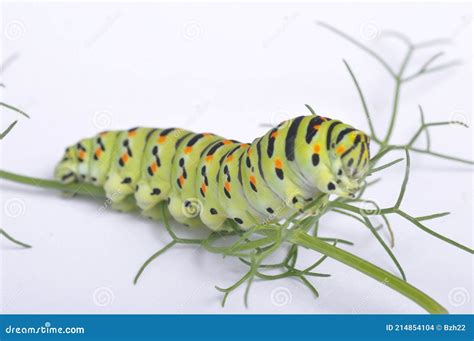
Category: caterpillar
<point>206,179</point>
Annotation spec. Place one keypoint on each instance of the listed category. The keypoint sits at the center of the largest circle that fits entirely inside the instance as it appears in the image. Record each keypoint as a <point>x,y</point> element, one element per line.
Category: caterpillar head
<point>334,156</point>
<point>349,159</point>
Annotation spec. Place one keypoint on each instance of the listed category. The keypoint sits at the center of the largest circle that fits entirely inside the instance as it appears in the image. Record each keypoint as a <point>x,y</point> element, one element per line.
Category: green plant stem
<point>383,151</point>
<point>85,189</point>
<point>414,221</point>
<point>396,98</point>
<point>364,103</point>
<point>11,107</point>
<point>8,130</point>
<point>13,240</point>
<point>153,257</point>
<point>299,237</point>
<point>399,79</point>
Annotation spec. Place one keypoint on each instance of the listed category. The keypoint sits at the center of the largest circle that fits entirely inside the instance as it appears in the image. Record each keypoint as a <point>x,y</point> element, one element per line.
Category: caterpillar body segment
<point>261,198</point>
<point>183,204</point>
<point>206,179</point>
<point>214,171</point>
<point>124,173</point>
<point>231,193</point>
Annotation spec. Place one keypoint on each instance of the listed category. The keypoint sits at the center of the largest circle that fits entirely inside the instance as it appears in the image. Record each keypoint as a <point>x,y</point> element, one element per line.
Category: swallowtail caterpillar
<point>207,179</point>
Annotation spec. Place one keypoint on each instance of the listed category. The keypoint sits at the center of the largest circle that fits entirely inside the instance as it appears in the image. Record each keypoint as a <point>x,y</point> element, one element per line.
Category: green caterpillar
<point>207,179</point>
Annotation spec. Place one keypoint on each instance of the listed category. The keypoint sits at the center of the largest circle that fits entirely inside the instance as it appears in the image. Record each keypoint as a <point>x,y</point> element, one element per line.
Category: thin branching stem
<point>401,286</point>
<point>8,130</point>
<point>13,240</point>
<point>387,165</point>
<point>310,109</point>
<point>431,70</point>
<point>386,248</point>
<point>358,44</point>
<point>11,107</point>
<point>363,101</point>
<point>399,80</point>
<point>152,258</point>
<point>433,216</point>
<point>405,180</point>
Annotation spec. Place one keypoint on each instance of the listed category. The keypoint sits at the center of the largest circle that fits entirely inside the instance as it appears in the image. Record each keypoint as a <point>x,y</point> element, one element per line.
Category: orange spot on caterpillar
<point>340,150</point>
<point>124,158</point>
<point>274,134</point>
<point>278,163</point>
<point>82,154</point>
<point>98,152</point>
<point>243,145</point>
<point>188,150</point>
<point>209,158</point>
<point>181,180</point>
<point>226,142</point>
<point>253,180</point>
<point>154,167</point>
<point>203,188</point>
<point>316,126</point>
<point>230,158</point>
<point>161,139</point>
<point>249,152</point>
<point>227,186</point>
<point>132,133</point>
<point>317,148</point>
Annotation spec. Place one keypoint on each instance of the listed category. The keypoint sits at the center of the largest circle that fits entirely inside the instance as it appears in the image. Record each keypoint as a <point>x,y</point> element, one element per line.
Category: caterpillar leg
<point>127,205</point>
<point>154,213</point>
<point>185,212</point>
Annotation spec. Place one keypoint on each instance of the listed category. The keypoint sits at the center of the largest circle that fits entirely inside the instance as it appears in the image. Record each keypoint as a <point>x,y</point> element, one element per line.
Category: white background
<point>224,68</point>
